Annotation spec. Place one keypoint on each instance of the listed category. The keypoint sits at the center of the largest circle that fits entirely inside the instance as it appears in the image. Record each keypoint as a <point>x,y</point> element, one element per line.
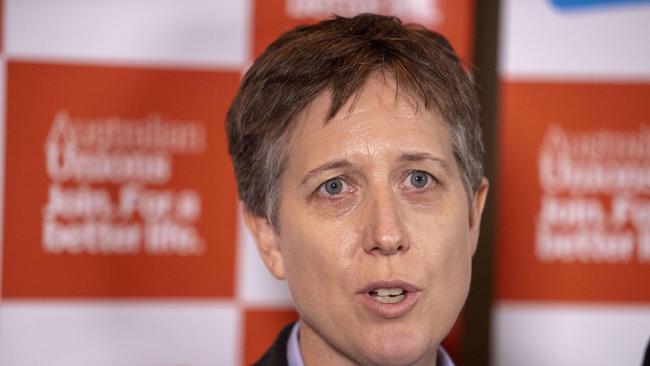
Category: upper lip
<point>406,286</point>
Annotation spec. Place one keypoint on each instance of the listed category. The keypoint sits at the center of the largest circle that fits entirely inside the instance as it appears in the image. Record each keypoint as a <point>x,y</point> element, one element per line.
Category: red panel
<point>172,115</point>
<point>260,330</point>
<point>593,270</point>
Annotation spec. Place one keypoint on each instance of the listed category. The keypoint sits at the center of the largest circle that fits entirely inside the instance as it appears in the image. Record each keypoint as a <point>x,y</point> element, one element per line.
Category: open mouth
<point>389,299</point>
<point>388,295</point>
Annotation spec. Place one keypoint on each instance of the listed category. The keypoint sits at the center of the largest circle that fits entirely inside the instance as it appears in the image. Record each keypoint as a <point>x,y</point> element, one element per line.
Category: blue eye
<point>333,186</point>
<point>419,179</point>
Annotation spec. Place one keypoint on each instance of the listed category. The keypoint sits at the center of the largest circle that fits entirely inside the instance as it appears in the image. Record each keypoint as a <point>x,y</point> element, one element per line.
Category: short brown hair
<point>338,55</point>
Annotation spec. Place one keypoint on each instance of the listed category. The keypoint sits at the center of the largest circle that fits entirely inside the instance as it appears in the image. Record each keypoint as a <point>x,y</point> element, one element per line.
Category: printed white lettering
<point>579,172</point>
<point>107,194</point>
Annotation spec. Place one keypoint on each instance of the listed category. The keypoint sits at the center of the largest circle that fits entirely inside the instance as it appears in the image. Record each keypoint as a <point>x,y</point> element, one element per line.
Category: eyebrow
<point>410,157</point>
<point>335,164</point>
<point>422,156</point>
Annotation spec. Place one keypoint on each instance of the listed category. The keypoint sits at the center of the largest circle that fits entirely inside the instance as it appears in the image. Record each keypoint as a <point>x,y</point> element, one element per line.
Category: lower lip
<point>390,311</point>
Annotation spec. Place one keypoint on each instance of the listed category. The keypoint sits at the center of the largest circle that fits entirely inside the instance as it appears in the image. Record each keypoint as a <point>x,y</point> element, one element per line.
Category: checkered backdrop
<point>573,254</point>
<point>122,238</point>
<point>122,241</point>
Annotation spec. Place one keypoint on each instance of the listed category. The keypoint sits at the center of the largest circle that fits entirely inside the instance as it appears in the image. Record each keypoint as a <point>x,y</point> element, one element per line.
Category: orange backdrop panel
<point>261,327</point>
<point>36,93</point>
<point>528,109</point>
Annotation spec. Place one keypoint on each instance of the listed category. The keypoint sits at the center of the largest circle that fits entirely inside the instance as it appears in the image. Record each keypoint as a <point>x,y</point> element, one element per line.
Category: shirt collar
<point>294,357</point>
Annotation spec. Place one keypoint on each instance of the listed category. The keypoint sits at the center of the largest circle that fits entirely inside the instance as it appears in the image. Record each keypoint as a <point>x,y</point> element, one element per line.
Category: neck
<point>318,352</point>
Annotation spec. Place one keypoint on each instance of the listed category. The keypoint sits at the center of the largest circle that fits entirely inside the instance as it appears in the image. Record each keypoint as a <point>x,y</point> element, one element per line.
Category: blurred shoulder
<point>276,355</point>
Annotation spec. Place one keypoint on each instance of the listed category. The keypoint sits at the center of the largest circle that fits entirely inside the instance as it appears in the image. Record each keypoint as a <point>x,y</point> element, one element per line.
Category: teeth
<point>388,295</point>
<point>390,299</point>
<point>388,291</point>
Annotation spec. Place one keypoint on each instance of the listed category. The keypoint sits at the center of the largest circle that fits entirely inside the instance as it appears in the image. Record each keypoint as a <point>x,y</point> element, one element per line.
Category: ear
<point>267,242</point>
<point>476,211</point>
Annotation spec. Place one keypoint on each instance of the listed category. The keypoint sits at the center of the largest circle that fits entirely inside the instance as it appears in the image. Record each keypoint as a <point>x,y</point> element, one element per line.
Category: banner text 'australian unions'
<point>595,204</point>
<point>89,159</point>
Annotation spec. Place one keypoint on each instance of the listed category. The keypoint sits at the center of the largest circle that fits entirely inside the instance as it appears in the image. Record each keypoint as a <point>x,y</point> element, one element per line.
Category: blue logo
<point>580,4</point>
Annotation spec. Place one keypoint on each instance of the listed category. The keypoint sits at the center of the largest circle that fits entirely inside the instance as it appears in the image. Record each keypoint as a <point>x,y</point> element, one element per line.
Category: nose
<point>385,233</point>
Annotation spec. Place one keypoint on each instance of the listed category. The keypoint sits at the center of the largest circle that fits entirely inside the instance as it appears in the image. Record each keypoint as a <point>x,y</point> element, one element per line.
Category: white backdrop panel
<point>119,333</point>
<point>539,41</point>
<point>567,335</point>
<point>191,32</point>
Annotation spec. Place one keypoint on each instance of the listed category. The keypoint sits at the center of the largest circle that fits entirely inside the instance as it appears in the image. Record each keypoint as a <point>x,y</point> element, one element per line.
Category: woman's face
<point>375,232</point>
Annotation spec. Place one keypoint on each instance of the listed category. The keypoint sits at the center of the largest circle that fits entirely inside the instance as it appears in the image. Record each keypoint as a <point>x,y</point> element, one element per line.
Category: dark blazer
<point>277,354</point>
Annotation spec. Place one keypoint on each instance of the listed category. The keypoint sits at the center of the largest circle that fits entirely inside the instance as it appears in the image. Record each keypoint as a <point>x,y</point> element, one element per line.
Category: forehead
<point>378,91</point>
<point>380,111</point>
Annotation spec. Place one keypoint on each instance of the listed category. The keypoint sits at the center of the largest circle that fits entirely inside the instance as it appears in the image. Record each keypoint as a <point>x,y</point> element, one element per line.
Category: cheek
<point>314,256</point>
<point>455,270</point>
<point>444,244</point>
<point>447,259</point>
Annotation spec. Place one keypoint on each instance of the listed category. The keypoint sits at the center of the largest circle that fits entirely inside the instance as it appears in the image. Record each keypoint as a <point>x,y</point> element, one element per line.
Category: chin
<point>403,350</point>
